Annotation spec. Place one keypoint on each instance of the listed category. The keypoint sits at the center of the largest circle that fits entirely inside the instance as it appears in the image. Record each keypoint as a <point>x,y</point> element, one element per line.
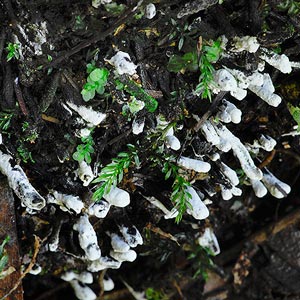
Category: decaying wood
<point>8,227</point>
<point>260,236</point>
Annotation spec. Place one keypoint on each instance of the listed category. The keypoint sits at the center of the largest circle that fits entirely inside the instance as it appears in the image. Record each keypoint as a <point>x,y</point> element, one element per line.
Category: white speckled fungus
<point>68,203</point>
<point>87,238</point>
<point>278,61</point>
<point>131,235</point>
<point>99,209</point>
<point>209,240</point>
<point>20,184</point>
<point>85,173</point>
<point>103,263</point>
<point>123,63</point>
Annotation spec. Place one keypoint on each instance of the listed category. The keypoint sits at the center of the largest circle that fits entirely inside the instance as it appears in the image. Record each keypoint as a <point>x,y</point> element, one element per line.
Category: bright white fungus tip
<point>198,209</point>
<point>117,197</point>
<point>87,238</point>
<point>123,63</point>
<point>194,164</point>
<point>150,11</point>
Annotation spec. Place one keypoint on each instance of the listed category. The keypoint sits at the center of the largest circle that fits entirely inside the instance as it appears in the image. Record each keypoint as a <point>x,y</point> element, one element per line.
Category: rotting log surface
<point>8,227</point>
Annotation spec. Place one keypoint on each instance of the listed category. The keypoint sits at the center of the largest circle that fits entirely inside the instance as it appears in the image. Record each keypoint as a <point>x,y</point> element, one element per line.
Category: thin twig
<point>37,245</point>
<point>211,109</point>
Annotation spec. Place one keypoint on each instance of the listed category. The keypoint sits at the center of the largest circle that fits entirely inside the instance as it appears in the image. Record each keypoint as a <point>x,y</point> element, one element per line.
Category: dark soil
<point>42,138</point>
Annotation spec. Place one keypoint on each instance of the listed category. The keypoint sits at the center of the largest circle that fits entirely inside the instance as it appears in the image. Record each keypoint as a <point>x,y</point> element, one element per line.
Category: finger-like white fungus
<point>108,284</point>
<point>66,202</point>
<point>258,188</point>
<point>20,184</point>
<point>117,197</point>
<point>194,164</point>
<point>82,291</point>
<point>198,209</point>
<point>230,174</point>
<point>103,263</point>
<point>278,61</point>
<point>85,173</point>
<point>123,63</point>
<point>118,243</point>
<point>99,209</point>
<point>131,235</point>
<point>246,43</point>
<point>266,91</point>
<point>209,240</point>
<point>84,277</point>
<point>168,214</point>
<point>130,255</point>
<point>240,151</point>
<point>225,80</point>
<point>277,188</point>
<point>87,238</point>
<point>173,142</point>
<point>89,115</point>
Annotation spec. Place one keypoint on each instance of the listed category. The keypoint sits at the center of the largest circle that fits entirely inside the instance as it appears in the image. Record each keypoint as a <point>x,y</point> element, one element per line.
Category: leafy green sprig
<point>112,174</point>
<point>83,151</point>
<point>12,50</point>
<point>180,196</point>
<point>210,54</point>
<point>96,82</point>
<point>5,119</point>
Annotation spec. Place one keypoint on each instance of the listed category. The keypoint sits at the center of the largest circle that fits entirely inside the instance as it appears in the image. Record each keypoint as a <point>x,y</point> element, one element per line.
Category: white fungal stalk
<point>117,197</point>
<point>228,112</point>
<point>130,255</point>
<point>277,188</point>
<point>259,188</point>
<point>118,243</point>
<point>278,61</point>
<point>87,238</point>
<point>227,139</point>
<point>103,263</point>
<point>245,43</point>
<point>230,174</point>
<point>100,209</point>
<point>108,284</point>
<point>82,291</point>
<point>266,91</point>
<point>85,173</point>
<point>20,184</point>
<point>194,164</point>
<point>199,210</point>
<point>168,214</point>
<point>92,117</point>
<point>67,203</point>
<point>84,277</point>
<point>209,240</point>
<point>131,235</point>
